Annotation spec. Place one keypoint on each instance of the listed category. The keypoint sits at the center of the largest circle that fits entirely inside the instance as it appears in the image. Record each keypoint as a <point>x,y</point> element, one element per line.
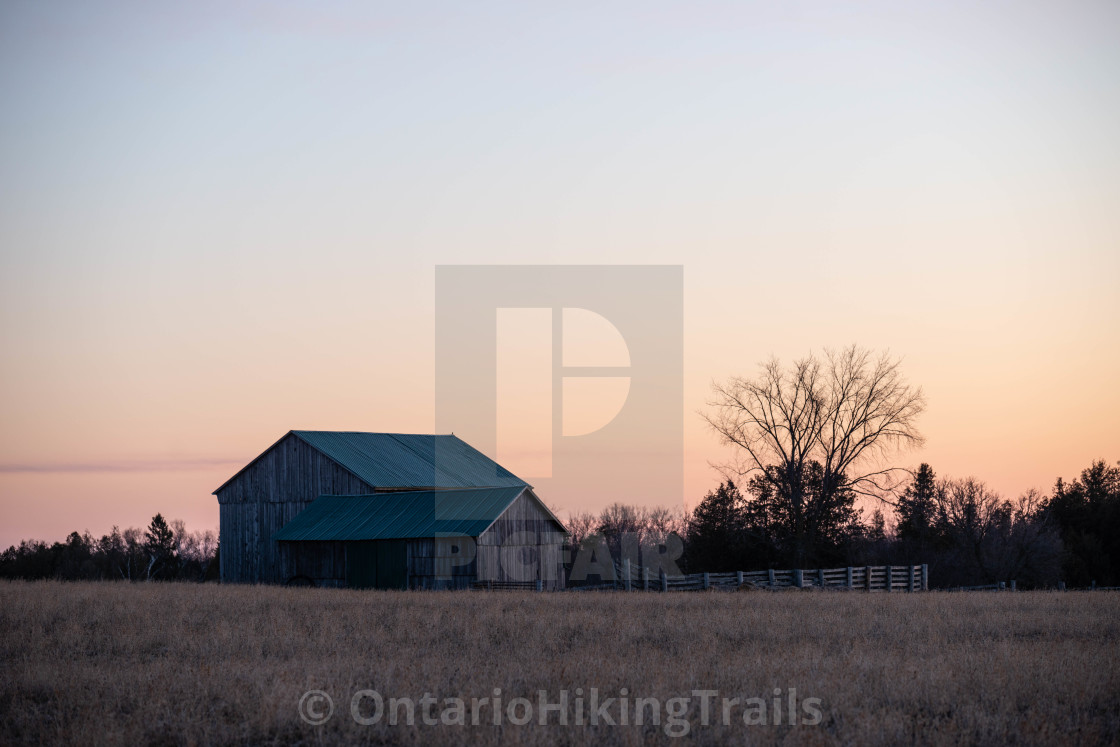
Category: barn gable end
<point>527,529</point>
<point>265,496</point>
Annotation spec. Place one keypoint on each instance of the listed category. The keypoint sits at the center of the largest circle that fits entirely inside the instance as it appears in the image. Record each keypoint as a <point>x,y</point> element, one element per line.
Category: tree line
<point>967,533</point>
<point>809,440</point>
<point>164,551</point>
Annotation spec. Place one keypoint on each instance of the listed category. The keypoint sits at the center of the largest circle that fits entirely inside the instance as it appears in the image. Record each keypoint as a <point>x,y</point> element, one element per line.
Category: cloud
<point>131,465</point>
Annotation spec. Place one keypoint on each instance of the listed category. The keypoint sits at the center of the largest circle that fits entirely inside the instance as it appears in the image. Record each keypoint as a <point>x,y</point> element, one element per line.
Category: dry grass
<point>114,663</point>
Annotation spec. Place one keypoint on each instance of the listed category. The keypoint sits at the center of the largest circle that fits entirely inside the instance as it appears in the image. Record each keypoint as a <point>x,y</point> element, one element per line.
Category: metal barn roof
<point>411,460</point>
<point>405,515</point>
<point>406,460</point>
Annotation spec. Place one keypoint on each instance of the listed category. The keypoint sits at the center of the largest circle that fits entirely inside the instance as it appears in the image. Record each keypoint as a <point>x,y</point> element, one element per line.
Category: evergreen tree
<point>1087,511</point>
<point>919,523</point>
<point>159,544</point>
<point>717,532</point>
<point>809,518</point>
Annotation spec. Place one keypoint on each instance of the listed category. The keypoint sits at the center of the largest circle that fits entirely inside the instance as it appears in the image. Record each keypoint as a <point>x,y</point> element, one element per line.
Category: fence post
<point>540,585</point>
<point>1000,587</point>
<point>738,578</point>
<point>910,584</point>
<point>773,579</point>
<point>798,578</point>
<point>890,579</point>
<point>1061,586</point>
<point>820,576</point>
<point>664,580</point>
<point>867,576</point>
<point>626,570</point>
<point>850,577</point>
<point>645,578</point>
<point>707,581</point>
<point>925,577</point>
<point>1012,584</point>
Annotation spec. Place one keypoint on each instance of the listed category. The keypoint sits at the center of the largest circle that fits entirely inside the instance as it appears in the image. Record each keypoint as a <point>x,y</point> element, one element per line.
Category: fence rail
<point>889,578</point>
<point>508,585</point>
<point>879,578</point>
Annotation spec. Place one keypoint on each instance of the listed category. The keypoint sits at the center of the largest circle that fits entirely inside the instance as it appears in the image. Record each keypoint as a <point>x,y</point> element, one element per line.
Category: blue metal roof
<point>404,515</point>
<point>404,460</point>
<point>400,460</point>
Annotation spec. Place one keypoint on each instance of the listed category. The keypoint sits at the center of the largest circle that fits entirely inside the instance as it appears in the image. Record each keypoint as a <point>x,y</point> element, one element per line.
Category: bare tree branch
<point>846,412</point>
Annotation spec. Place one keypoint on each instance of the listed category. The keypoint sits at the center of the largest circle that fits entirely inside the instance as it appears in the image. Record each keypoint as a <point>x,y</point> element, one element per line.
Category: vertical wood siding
<point>441,563</point>
<point>323,563</point>
<point>524,544</point>
<point>265,497</point>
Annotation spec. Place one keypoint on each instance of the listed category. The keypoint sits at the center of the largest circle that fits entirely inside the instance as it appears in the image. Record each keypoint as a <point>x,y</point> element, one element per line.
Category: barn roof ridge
<point>372,433</point>
<point>416,461</point>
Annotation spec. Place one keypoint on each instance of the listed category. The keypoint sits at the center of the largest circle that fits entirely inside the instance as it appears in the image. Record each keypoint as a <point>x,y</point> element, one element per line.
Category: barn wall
<point>323,563</point>
<point>524,544</point>
<point>265,497</point>
<point>441,563</point>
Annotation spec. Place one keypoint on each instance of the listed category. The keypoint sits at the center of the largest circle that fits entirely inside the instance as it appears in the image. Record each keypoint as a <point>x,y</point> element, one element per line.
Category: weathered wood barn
<point>384,510</point>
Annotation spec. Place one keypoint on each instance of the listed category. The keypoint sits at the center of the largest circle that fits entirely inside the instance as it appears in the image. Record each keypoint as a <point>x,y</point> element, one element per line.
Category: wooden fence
<point>856,578</point>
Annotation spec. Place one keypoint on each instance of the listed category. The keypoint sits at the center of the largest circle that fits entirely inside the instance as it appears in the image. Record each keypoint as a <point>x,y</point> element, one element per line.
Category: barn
<point>384,510</point>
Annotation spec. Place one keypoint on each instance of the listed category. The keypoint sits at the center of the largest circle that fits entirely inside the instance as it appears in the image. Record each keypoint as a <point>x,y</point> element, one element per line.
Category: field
<point>111,663</point>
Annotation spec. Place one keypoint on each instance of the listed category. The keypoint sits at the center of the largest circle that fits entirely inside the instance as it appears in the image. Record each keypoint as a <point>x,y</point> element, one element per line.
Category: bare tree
<point>844,413</point>
<point>972,515</point>
<point>638,527</point>
<point>991,539</point>
<point>621,518</point>
<point>580,526</point>
<point>196,550</point>
<point>134,558</point>
<point>662,521</point>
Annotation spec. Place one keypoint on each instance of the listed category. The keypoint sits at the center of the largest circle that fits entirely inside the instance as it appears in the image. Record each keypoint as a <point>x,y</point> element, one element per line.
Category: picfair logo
<point>569,376</point>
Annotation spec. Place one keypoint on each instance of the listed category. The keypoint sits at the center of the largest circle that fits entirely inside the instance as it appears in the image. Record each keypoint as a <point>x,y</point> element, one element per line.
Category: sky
<point>221,221</point>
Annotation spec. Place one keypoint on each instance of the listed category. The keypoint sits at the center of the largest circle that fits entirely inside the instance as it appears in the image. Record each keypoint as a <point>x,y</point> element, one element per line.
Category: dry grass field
<point>112,663</point>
